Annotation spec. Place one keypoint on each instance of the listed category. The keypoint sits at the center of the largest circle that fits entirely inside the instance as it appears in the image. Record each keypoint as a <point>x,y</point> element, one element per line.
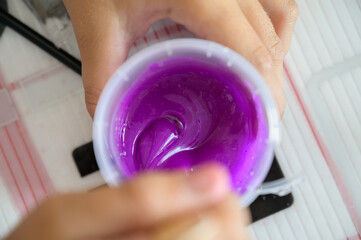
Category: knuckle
<point>263,58</point>
<point>91,99</point>
<point>291,11</point>
<point>277,51</point>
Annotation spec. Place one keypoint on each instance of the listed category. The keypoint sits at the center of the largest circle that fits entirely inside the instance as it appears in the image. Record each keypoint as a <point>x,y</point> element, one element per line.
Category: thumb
<point>99,62</point>
<point>103,42</point>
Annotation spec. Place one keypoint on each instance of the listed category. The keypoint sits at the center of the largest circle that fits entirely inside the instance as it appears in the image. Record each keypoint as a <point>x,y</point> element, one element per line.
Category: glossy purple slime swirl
<point>184,112</point>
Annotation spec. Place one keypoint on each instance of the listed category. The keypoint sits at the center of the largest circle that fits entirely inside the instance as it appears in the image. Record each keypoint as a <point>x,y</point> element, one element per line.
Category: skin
<point>261,31</point>
<point>173,205</point>
<point>182,206</point>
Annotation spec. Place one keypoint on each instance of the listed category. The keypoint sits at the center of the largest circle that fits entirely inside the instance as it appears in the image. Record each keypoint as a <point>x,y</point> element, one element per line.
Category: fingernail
<point>210,179</point>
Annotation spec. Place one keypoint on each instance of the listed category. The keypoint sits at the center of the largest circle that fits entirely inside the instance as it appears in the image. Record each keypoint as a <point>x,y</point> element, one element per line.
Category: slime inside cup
<point>183,112</point>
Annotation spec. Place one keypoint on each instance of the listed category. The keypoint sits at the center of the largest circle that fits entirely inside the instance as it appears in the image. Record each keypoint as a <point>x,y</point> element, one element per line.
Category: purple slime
<point>183,112</point>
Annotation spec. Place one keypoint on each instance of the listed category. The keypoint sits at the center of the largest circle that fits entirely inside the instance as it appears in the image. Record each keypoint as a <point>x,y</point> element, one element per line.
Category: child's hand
<point>157,206</point>
<point>259,30</point>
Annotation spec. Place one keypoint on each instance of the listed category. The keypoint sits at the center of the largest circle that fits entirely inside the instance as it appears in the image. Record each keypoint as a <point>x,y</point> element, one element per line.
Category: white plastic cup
<point>204,50</point>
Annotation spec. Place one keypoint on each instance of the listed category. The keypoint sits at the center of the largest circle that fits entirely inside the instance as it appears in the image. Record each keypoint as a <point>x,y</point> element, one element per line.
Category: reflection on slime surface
<point>183,112</point>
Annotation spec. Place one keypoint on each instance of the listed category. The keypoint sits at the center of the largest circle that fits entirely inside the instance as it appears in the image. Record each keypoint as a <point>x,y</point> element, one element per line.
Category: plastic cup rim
<point>112,177</point>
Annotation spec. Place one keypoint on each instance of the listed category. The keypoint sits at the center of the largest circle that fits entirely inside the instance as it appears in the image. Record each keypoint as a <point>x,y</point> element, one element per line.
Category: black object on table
<point>34,37</point>
<point>3,5</point>
<point>262,207</point>
<point>267,205</point>
<point>85,159</point>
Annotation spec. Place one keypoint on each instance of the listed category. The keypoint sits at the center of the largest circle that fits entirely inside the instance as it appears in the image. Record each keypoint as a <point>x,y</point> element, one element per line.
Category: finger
<point>225,23</point>
<point>233,219</point>
<point>283,14</point>
<point>206,228</point>
<point>223,221</point>
<point>105,31</point>
<point>140,203</point>
<point>138,235</point>
<point>263,26</point>
<point>103,41</point>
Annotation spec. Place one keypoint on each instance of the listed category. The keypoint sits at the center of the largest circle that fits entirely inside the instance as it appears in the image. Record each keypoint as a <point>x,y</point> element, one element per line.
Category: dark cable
<point>40,41</point>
